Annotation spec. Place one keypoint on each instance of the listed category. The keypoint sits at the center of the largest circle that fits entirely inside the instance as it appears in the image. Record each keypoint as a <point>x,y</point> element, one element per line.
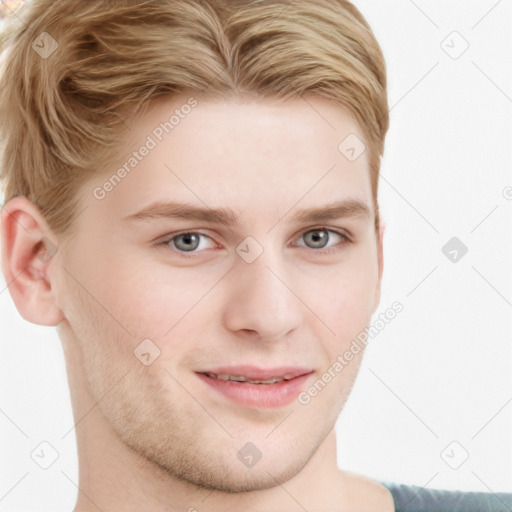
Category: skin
<point>155,438</point>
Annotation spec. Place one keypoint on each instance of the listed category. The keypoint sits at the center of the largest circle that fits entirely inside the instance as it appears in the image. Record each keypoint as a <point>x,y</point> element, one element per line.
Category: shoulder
<point>416,498</point>
<point>367,495</point>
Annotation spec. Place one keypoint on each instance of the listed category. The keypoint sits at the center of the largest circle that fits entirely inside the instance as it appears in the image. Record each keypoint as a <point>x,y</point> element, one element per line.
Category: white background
<point>440,372</point>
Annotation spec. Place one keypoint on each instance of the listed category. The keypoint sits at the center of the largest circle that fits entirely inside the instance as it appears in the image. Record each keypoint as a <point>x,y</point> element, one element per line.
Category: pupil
<point>188,238</point>
<point>318,237</point>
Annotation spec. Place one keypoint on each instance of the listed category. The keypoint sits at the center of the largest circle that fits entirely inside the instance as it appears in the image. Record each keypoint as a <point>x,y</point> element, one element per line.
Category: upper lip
<point>255,373</point>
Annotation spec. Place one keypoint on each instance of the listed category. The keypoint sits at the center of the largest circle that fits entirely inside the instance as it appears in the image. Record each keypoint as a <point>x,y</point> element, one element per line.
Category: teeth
<point>241,378</point>
<point>238,379</point>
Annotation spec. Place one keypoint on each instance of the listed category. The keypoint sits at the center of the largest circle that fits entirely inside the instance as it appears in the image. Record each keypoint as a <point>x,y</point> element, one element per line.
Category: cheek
<point>112,355</point>
<point>98,302</point>
<point>348,299</point>
<point>125,293</point>
<point>163,301</point>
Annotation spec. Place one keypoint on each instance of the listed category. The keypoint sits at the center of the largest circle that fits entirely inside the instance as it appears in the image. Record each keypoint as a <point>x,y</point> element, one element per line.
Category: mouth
<point>240,378</point>
<point>256,388</point>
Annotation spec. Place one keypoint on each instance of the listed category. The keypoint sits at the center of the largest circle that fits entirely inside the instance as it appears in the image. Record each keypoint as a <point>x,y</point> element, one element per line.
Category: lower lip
<point>263,396</point>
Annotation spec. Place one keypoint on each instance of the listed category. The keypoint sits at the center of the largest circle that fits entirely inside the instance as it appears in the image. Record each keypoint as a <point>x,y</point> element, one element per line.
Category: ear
<point>380,252</point>
<point>28,253</point>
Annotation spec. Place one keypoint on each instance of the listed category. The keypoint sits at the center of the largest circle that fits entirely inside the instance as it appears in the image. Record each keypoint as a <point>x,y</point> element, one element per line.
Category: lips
<point>258,388</point>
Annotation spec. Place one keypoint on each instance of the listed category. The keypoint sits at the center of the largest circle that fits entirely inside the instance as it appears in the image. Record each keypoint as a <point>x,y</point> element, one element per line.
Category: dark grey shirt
<point>412,498</point>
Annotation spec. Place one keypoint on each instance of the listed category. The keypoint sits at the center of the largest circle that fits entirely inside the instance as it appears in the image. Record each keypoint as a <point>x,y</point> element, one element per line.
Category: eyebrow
<point>352,208</point>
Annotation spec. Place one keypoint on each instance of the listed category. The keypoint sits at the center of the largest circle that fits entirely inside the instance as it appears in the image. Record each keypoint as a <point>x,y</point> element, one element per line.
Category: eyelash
<point>193,254</point>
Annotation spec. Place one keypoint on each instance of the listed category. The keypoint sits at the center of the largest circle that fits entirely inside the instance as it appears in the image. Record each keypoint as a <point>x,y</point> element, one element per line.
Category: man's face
<point>267,292</point>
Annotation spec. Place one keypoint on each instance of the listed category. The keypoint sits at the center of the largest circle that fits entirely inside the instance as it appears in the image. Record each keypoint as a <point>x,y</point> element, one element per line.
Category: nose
<point>260,298</point>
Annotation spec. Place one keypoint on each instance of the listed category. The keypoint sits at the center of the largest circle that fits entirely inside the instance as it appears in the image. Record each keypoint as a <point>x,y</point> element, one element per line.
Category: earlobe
<point>28,252</point>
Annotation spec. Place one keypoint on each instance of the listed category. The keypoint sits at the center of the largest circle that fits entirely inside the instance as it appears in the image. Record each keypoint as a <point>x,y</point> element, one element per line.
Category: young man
<point>191,197</point>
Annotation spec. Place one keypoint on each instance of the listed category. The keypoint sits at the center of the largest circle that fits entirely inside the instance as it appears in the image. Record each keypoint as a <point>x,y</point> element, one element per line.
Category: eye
<point>320,237</point>
<point>190,241</point>
<point>187,242</point>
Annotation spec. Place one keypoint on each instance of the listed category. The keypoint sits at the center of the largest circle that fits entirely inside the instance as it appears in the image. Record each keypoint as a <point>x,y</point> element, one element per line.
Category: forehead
<point>249,154</point>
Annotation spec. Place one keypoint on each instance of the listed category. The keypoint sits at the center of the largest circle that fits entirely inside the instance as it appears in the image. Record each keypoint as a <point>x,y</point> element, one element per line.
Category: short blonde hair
<point>61,115</point>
